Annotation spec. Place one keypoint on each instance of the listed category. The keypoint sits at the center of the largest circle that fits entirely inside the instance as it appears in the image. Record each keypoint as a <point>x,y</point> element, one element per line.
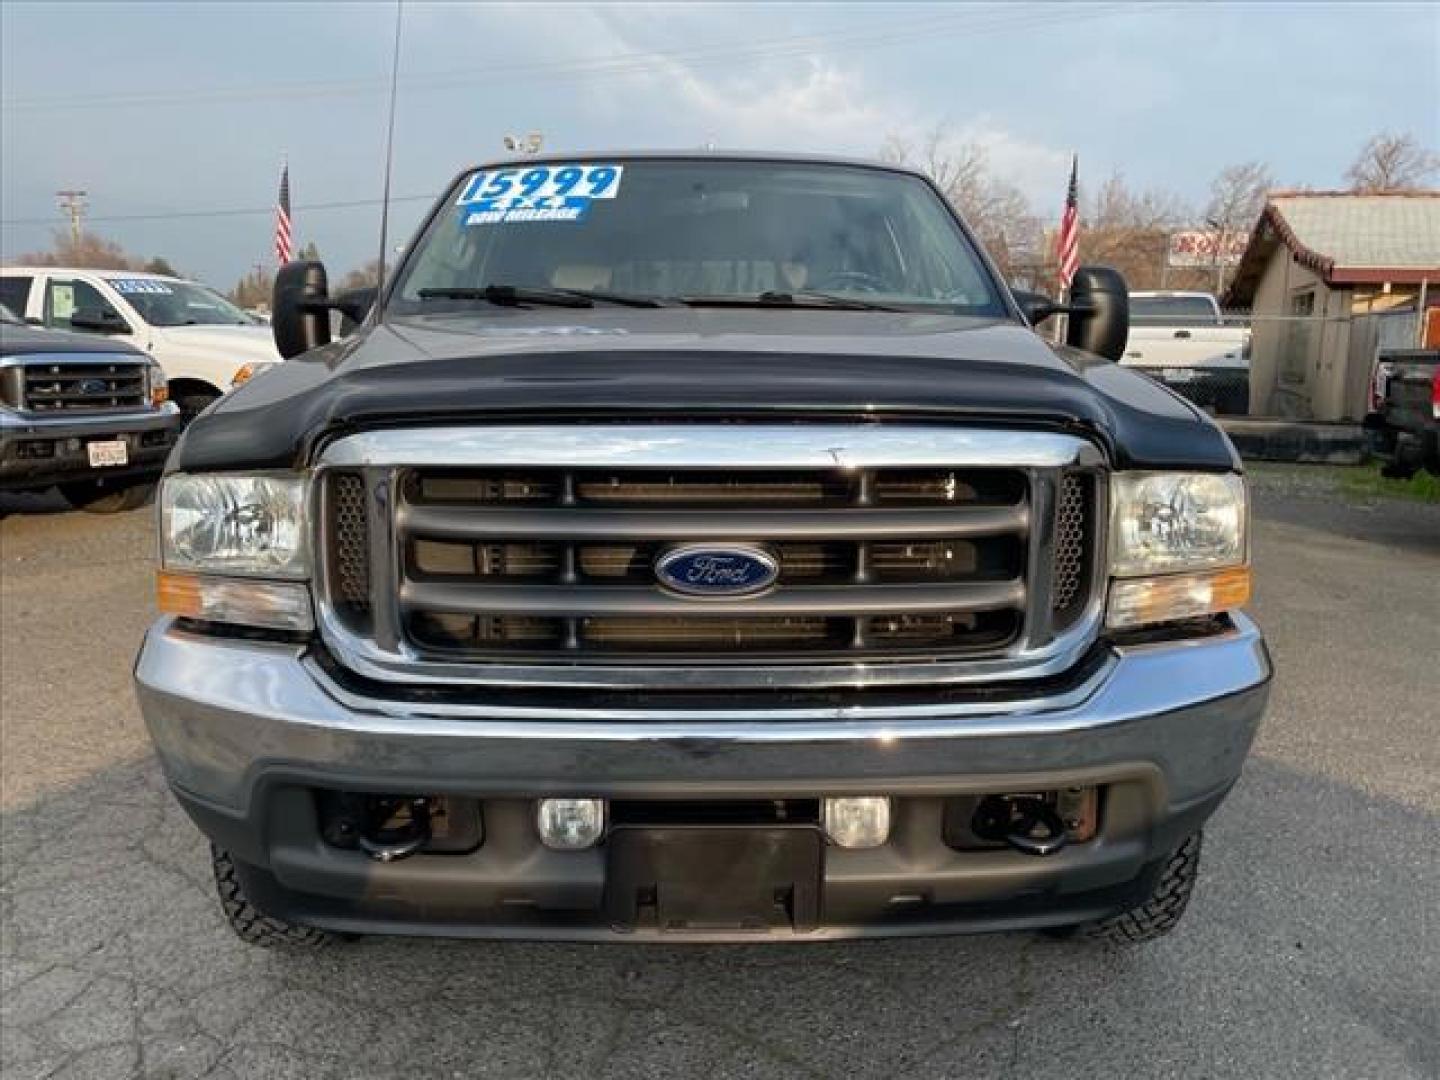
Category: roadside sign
<point>1206,247</point>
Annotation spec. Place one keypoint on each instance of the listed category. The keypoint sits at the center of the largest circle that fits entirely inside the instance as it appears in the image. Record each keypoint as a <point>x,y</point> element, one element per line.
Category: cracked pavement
<point>1312,947</point>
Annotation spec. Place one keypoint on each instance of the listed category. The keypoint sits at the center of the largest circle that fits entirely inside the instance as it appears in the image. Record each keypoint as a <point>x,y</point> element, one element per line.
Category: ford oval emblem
<point>720,570</point>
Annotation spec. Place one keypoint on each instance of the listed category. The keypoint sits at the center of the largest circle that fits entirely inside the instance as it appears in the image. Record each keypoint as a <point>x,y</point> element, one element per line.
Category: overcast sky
<point>160,110</point>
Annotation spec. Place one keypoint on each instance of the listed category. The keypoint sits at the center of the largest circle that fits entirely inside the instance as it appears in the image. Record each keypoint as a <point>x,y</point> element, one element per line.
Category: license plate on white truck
<point>107,453</point>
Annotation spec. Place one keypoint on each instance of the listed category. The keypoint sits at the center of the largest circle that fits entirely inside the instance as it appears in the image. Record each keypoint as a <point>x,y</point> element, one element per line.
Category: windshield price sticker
<point>541,193</point>
<point>138,285</point>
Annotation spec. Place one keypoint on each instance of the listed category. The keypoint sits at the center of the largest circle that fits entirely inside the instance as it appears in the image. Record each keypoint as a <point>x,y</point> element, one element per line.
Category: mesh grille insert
<point>349,545</point>
<point>1071,520</point>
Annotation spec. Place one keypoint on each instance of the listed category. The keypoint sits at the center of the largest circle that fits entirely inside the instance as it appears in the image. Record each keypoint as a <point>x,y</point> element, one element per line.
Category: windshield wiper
<point>514,295</point>
<point>795,299</point>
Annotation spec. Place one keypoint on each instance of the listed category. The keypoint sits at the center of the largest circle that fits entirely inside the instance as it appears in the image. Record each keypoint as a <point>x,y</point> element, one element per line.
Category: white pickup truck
<point>204,343</point>
<point>1182,340</point>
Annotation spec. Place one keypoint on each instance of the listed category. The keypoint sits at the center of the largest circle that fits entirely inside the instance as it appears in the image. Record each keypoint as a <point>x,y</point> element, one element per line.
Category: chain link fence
<point>1306,365</point>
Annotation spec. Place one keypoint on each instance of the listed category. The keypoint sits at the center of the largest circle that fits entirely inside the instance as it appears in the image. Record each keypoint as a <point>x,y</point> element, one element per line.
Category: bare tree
<point>1393,162</point>
<point>362,277</point>
<point>90,251</point>
<point>1129,229</point>
<point>1237,195</point>
<point>254,289</point>
<point>995,208</point>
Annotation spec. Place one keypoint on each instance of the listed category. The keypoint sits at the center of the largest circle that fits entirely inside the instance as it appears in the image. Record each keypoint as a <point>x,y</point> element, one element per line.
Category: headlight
<point>253,526</point>
<point>1178,547</point>
<point>1161,522</point>
<point>157,389</point>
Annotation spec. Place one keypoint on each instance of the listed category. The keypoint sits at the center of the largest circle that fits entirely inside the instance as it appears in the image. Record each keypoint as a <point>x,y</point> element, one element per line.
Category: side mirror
<point>1036,307</point>
<point>299,308</point>
<point>100,320</point>
<point>354,306</point>
<point>1099,312</point>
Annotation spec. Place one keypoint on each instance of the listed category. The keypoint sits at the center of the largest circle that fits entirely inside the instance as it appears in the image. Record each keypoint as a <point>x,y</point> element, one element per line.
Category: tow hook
<point>398,841</point>
<point>1025,823</point>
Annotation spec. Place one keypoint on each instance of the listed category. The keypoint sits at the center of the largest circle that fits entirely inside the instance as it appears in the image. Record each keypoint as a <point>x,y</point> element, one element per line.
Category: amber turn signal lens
<point>274,605</point>
<point>159,395</point>
<point>1145,601</point>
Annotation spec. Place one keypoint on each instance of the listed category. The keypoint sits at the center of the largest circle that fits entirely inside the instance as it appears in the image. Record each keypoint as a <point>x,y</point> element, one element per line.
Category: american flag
<point>1067,240</point>
<point>284,251</point>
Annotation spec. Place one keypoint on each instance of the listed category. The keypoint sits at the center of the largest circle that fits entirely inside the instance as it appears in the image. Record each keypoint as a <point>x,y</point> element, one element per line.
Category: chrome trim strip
<point>700,446</point>
<point>362,658</point>
<point>137,358</point>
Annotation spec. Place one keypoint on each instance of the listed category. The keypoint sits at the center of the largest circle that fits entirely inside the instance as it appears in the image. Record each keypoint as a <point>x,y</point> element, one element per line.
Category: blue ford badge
<point>716,570</point>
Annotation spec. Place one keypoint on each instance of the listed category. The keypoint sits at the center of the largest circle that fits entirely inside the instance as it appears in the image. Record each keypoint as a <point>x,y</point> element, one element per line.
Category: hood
<point>511,364</point>
<point>25,340</point>
<point>239,343</point>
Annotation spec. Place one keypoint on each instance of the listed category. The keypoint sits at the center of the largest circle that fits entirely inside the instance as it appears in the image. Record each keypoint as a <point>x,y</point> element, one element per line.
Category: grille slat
<point>469,523</point>
<point>596,600</point>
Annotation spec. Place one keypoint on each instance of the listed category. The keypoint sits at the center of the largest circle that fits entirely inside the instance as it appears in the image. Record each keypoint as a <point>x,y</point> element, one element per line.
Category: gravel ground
<point>1312,948</point>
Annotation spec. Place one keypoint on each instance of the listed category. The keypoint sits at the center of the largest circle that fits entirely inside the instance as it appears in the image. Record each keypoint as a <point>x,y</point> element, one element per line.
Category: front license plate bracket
<point>707,878</point>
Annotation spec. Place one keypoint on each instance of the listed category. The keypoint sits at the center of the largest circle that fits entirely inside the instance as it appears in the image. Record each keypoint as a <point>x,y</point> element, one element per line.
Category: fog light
<point>570,824</point>
<point>856,821</point>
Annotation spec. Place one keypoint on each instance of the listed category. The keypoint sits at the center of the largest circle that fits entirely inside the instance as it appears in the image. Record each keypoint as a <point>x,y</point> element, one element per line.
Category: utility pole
<point>528,144</point>
<point>72,202</point>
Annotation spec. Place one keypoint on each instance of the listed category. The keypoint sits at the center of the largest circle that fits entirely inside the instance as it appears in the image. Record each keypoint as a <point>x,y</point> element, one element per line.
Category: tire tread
<point>250,923</point>
<point>1162,911</point>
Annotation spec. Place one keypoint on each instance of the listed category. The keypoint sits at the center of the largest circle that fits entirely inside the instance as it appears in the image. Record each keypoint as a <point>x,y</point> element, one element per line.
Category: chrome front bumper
<point>67,462</point>
<point>228,715</point>
<point>246,733</point>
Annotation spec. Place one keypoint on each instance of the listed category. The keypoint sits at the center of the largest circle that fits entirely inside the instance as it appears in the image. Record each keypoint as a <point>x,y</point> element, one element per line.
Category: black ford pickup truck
<point>86,414</point>
<point>701,547</point>
<point>1403,425</point>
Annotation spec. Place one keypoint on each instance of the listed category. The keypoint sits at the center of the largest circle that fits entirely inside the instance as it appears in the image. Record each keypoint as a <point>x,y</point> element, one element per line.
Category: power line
<point>891,33</point>
<point>227,212</point>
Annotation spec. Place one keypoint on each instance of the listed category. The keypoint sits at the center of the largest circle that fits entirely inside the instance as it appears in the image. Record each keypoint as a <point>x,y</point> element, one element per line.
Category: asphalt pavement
<point>1312,948</point>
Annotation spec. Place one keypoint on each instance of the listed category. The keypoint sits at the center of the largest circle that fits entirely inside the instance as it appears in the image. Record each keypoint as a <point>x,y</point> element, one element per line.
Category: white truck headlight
<point>228,523</point>
<point>1161,522</point>
<point>1178,547</point>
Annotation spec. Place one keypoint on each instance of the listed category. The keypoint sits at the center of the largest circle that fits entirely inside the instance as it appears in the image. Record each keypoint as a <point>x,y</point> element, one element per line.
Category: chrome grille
<point>553,565</point>
<point>85,386</point>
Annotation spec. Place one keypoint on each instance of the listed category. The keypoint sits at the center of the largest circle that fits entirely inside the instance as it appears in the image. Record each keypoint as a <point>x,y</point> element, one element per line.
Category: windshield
<point>1172,311</point>
<point>692,230</point>
<point>179,303</point>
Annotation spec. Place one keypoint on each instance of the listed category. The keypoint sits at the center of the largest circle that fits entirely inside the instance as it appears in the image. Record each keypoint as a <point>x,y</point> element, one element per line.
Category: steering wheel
<point>850,281</point>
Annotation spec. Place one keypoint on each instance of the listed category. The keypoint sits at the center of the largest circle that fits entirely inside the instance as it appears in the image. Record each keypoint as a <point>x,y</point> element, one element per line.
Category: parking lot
<point>1312,948</point>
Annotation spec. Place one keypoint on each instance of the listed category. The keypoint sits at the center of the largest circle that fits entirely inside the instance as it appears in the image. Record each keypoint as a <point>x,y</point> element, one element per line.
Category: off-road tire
<point>192,405</point>
<point>250,923</point>
<point>93,498</point>
<point>1161,911</point>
